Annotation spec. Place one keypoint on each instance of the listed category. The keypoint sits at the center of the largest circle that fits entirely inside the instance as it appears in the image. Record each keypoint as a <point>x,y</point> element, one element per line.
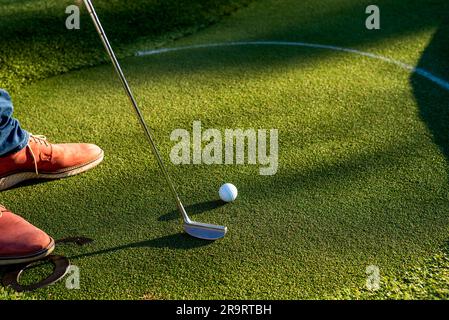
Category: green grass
<point>9,294</point>
<point>429,280</point>
<point>363,167</point>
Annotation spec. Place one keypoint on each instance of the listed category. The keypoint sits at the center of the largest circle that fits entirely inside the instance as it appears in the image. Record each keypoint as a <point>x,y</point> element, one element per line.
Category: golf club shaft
<point>104,39</point>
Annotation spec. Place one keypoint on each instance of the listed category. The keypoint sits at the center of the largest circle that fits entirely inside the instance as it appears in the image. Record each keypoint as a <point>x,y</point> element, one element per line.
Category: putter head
<point>205,231</point>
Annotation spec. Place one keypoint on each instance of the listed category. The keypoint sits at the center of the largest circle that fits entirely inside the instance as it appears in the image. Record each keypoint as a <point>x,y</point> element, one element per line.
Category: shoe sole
<point>30,258</point>
<point>16,178</point>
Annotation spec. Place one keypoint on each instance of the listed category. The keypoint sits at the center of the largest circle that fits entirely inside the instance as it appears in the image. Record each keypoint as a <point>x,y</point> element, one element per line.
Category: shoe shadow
<point>29,183</point>
<point>194,209</point>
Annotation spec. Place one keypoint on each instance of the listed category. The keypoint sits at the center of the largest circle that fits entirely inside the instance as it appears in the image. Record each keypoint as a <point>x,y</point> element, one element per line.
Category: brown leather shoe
<point>20,241</point>
<point>43,160</point>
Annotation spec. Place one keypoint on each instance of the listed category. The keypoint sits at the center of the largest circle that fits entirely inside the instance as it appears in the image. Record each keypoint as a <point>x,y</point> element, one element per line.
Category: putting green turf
<point>363,166</point>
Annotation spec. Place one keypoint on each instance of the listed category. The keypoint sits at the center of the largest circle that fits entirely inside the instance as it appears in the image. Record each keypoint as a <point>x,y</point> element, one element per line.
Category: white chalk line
<point>422,72</point>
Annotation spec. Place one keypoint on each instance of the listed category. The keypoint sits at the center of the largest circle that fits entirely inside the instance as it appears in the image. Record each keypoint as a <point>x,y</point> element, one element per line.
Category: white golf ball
<point>227,192</point>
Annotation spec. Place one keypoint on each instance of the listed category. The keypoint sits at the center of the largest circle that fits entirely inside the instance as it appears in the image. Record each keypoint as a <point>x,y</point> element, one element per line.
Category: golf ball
<point>227,192</point>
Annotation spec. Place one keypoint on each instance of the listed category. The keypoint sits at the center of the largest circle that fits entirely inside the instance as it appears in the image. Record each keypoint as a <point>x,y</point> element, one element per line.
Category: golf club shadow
<point>194,209</point>
<point>180,241</point>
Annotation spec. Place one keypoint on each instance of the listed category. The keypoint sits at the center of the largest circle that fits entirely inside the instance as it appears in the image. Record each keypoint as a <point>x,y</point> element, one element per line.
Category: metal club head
<point>201,230</point>
<point>204,230</point>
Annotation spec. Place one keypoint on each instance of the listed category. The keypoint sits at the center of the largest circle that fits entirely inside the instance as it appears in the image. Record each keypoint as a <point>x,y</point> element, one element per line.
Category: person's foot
<point>20,241</point>
<point>43,160</point>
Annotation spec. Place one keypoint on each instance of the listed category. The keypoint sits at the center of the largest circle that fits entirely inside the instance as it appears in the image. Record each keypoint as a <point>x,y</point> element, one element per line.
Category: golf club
<point>195,229</point>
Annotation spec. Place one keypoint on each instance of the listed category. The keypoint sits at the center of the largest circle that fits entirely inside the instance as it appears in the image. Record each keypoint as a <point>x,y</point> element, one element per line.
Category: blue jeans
<point>12,137</point>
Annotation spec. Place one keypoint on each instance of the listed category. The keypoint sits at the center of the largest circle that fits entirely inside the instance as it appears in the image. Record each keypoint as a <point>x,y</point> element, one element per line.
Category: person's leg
<point>24,156</point>
<point>12,137</point>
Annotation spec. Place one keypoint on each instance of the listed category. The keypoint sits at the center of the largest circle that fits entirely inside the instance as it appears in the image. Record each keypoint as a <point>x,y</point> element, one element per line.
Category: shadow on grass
<point>30,183</point>
<point>433,100</point>
<point>175,241</point>
<point>194,209</point>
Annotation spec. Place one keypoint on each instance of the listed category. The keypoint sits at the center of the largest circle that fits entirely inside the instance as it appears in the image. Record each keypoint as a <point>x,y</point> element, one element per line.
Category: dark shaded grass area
<point>433,100</point>
<point>36,44</point>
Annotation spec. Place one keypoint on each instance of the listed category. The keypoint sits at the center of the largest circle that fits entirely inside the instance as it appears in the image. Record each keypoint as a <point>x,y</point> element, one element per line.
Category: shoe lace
<point>37,139</point>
